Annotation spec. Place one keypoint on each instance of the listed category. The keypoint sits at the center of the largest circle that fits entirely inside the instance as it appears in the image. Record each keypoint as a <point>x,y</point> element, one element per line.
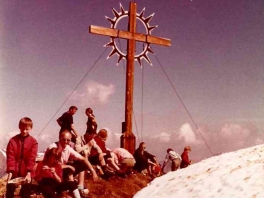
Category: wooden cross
<point>128,139</point>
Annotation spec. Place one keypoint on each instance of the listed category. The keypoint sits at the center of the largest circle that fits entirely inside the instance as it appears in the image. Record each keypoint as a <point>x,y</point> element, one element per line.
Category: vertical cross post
<point>128,138</point>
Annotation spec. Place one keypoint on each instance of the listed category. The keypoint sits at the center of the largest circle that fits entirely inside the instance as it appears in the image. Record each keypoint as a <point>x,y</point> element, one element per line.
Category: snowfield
<point>238,174</point>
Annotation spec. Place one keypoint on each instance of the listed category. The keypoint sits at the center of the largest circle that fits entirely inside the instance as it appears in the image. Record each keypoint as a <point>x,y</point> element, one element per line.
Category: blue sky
<point>215,64</point>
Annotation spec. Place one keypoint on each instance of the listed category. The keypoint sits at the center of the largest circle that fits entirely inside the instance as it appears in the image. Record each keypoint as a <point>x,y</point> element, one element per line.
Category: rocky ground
<point>115,187</point>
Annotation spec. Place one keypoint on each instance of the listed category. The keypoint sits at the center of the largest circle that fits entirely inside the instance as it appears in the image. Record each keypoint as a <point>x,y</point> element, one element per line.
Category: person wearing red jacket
<point>185,157</point>
<point>21,153</point>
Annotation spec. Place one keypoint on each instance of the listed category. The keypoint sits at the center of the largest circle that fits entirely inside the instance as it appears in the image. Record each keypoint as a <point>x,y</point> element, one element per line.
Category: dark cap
<point>169,149</point>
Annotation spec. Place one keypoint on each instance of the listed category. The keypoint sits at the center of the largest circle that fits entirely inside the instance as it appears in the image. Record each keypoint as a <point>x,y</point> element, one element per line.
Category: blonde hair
<point>25,122</point>
<point>102,133</point>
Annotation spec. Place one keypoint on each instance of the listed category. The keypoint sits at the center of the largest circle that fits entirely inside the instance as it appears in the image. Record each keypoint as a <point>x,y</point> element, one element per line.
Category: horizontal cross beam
<point>129,35</point>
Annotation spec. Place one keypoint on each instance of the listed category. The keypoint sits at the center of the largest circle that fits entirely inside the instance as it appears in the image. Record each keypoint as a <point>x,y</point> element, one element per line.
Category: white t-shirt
<point>66,153</point>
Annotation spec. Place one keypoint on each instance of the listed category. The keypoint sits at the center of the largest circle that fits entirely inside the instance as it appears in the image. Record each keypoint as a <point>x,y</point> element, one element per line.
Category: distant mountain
<point>2,162</point>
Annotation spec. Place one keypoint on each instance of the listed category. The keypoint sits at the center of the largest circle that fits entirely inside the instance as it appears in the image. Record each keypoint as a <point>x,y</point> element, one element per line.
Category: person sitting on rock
<point>78,163</point>
<point>84,145</point>
<point>144,160</point>
<point>49,176</point>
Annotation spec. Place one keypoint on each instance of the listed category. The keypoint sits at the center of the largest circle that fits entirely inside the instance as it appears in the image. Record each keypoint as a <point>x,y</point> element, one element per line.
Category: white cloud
<point>234,130</point>
<point>93,94</point>
<point>235,135</point>
<point>163,137</point>
<point>6,137</point>
<point>187,133</point>
<point>46,139</point>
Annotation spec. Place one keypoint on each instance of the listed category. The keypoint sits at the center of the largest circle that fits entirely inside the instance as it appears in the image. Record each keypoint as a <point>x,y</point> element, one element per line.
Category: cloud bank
<point>93,93</point>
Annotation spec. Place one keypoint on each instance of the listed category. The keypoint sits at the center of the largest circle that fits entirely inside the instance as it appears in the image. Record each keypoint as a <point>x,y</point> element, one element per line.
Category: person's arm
<point>32,155</point>
<point>90,167</point>
<point>155,160</point>
<point>165,162</point>
<point>79,146</point>
<point>55,174</point>
<point>91,116</point>
<point>152,163</point>
<point>38,171</point>
<point>9,176</point>
<point>98,149</point>
<point>185,159</point>
<point>10,159</point>
<point>151,158</point>
<point>139,157</point>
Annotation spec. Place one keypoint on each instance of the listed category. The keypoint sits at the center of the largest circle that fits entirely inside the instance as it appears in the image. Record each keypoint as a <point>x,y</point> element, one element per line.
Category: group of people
<point>177,161</point>
<point>67,161</point>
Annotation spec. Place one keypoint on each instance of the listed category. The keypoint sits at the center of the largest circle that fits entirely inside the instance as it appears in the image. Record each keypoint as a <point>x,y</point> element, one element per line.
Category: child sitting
<point>49,176</point>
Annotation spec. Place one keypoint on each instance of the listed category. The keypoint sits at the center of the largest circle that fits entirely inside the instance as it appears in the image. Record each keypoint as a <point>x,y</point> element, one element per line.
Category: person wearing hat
<point>185,157</point>
<point>175,159</point>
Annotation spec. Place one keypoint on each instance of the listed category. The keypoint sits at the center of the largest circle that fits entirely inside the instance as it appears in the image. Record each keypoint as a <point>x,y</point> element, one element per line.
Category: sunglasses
<point>65,139</point>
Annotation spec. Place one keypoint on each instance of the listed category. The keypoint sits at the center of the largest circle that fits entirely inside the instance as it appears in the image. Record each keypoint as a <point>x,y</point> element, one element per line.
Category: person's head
<point>142,146</point>
<point>169,149</point>
<point>103,134</point>
<point>187,148</point>
<point>25,125</point>
<point>73,110</point>
<point>53,155</point>
<point>88,111</point>
<point>65,138</point>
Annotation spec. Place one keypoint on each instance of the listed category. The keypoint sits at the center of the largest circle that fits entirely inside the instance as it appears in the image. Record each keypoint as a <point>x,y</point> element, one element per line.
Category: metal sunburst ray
<point>111,21</point>
<point>142,13</point>
<point>110,44</point>
<point>115,13</point>
<point>149,29</point>
<point>120,58</point>
<point>122,9</point>
<point>139,61</point>
<point>145,56</point>
<point>114,51</point>
<point>152,28</point>
<point>149,18</point>
<point>150,50</point>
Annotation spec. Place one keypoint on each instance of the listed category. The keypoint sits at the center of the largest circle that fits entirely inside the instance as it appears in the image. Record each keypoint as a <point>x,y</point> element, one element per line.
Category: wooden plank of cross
<point>128,138</point>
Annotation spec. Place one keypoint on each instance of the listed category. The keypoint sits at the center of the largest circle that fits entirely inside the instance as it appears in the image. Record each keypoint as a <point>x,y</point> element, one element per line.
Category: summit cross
<point>128,139</point>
